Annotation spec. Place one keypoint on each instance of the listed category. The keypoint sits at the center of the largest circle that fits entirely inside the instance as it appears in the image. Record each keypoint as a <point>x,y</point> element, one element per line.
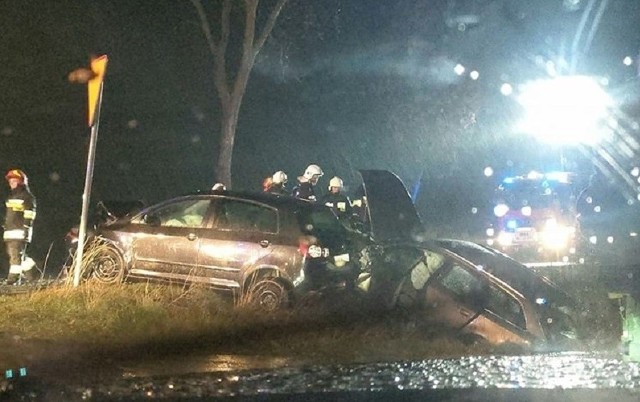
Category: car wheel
<point>107,266</point>
<point>268,294</point>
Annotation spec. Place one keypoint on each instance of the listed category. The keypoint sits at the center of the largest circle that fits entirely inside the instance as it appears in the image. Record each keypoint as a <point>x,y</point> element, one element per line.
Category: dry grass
<point>131,321</point>
<point>139,320</point>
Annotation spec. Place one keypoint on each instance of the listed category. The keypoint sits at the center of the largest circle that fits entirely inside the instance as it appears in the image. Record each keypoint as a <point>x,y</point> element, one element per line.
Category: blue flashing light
<point>512,224</point>
<point>8,374</point>
<point>23,371</point>
<point>508,180</point>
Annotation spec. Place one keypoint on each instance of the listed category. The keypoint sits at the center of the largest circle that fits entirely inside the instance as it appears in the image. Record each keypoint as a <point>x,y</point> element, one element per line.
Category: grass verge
<point>140,320</point>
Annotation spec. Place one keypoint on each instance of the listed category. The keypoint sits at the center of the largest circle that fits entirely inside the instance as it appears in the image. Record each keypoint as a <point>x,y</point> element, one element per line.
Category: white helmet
<point>335,182</point>
<point>218,187</point>
<point>312,170</point>
<point>279,177</point>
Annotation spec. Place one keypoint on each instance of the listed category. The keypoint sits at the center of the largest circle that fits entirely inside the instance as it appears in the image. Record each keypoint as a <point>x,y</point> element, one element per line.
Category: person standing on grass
<point>18,226</point>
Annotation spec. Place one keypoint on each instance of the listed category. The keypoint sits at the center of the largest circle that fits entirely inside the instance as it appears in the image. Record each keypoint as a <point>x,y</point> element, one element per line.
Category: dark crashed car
<point>260,246</point>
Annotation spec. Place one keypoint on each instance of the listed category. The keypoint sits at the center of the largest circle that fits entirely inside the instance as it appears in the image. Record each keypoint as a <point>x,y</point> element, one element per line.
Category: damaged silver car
<point>261,247</point>
<point>483,293</point>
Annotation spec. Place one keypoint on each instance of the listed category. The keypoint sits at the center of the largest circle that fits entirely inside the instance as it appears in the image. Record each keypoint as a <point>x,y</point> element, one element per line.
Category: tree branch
<point>248,56</point>
<point>271,22</point>
<point>217,49</point>
<point>204,24</point>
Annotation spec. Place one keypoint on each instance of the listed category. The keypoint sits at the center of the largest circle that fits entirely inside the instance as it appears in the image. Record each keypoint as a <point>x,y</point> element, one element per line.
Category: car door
<point>167,238</point>
<point>461,297</point>
<point>244,234</point>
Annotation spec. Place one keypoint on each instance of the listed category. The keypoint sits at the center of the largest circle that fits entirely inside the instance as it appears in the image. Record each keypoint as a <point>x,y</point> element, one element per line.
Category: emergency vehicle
<point>534,216</point>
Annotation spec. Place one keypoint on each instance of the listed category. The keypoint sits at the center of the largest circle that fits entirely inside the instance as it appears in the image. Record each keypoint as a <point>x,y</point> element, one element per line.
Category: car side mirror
<point>152,220</point>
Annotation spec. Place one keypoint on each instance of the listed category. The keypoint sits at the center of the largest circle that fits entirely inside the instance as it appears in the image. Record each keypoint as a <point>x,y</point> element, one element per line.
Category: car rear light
<point>317,251</point>
<point>312,250</point>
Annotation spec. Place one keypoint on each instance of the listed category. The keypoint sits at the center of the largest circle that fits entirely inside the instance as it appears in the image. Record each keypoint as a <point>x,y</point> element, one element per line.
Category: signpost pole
<point>95,85</point>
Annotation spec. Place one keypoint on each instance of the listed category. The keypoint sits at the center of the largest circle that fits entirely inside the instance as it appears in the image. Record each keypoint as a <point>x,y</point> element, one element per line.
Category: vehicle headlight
<point>526,211</point>
<point>500,210</point>
<point>505,238</point>
<point>556,236</point>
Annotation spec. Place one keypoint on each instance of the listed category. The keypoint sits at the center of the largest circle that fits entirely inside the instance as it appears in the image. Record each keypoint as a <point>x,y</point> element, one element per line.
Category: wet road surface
<point>561,377</point>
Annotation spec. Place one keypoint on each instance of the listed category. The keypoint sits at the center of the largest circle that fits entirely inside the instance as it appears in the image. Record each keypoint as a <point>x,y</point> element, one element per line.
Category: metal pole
<point>82,233</point>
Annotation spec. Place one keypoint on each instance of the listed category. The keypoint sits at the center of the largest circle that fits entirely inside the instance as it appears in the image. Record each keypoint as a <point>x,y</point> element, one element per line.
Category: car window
<point>478,292</point>
<point>504,305</point>
<point>322,223</point>
<point>183,213</point>
<point>245,216</point>
<point>462,283</point>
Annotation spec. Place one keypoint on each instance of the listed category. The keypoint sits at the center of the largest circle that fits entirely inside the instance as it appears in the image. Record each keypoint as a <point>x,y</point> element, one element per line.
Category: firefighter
<point>336,200</point>
<point>277,183</point>
<point>18,229</point>
<point>360,213</point>
<point>266,183</point>
<point>306,182</point>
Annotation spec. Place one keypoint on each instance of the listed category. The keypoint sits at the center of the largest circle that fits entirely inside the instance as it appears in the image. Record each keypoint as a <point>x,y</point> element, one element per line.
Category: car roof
<point>263,197</point>
<point>516,273</point>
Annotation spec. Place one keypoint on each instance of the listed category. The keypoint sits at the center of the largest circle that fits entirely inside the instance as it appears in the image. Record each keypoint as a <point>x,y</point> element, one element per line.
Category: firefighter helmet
<point>313,170</point>
<point>16,174</point>
<point>335,182</point>
<point>279,177</point>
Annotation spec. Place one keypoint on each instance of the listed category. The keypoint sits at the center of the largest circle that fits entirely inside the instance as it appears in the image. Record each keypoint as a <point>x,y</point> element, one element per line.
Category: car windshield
<point>338,198</point>
<point>323,224</point>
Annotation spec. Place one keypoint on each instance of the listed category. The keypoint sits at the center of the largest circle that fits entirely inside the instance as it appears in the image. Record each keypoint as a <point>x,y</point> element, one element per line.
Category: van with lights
<point>534,215</point>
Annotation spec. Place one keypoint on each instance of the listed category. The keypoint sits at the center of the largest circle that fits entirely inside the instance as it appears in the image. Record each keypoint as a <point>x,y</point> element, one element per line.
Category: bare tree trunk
<point>230,96</point>
<point>228,124</point>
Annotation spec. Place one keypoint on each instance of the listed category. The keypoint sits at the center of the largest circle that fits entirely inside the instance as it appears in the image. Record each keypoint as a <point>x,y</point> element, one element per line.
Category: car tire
<point>268,294</point>
<point>107,266</point>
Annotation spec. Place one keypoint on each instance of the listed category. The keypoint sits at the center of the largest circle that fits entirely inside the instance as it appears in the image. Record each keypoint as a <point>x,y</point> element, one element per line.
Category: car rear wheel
<point>107,266</point>
<point>268,294</point>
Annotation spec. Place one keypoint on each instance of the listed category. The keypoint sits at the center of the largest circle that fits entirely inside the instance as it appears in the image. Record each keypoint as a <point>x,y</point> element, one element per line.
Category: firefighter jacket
<point>20,214</point>
<point>339,203</point>
<point>304,190</point>
<point>278,189</point>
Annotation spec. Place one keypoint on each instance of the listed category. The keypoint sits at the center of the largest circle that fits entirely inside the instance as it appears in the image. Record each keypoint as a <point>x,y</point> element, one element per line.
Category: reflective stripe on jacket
<point>20,214</point>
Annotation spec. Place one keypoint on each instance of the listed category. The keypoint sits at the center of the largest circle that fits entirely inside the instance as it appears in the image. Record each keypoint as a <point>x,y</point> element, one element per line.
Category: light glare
<point>506,89</point>
<point>565,110</point>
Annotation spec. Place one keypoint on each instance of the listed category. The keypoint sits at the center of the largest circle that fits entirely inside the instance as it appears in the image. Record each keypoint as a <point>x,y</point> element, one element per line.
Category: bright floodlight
<point>566,110</point>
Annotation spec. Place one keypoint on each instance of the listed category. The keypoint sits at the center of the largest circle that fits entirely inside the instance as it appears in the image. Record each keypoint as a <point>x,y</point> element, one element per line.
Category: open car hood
<point>393,217</point>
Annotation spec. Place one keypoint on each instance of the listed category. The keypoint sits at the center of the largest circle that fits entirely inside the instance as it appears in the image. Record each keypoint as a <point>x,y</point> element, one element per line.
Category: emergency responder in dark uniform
<point>20,214</point>
<point>277,183</point>
<point>337,201</point>
<point>304,188</point>
<point>360,213</point>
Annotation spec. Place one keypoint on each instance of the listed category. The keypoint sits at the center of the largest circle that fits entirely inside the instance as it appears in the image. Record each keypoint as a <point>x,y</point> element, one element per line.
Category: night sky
<point>345,84</point>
